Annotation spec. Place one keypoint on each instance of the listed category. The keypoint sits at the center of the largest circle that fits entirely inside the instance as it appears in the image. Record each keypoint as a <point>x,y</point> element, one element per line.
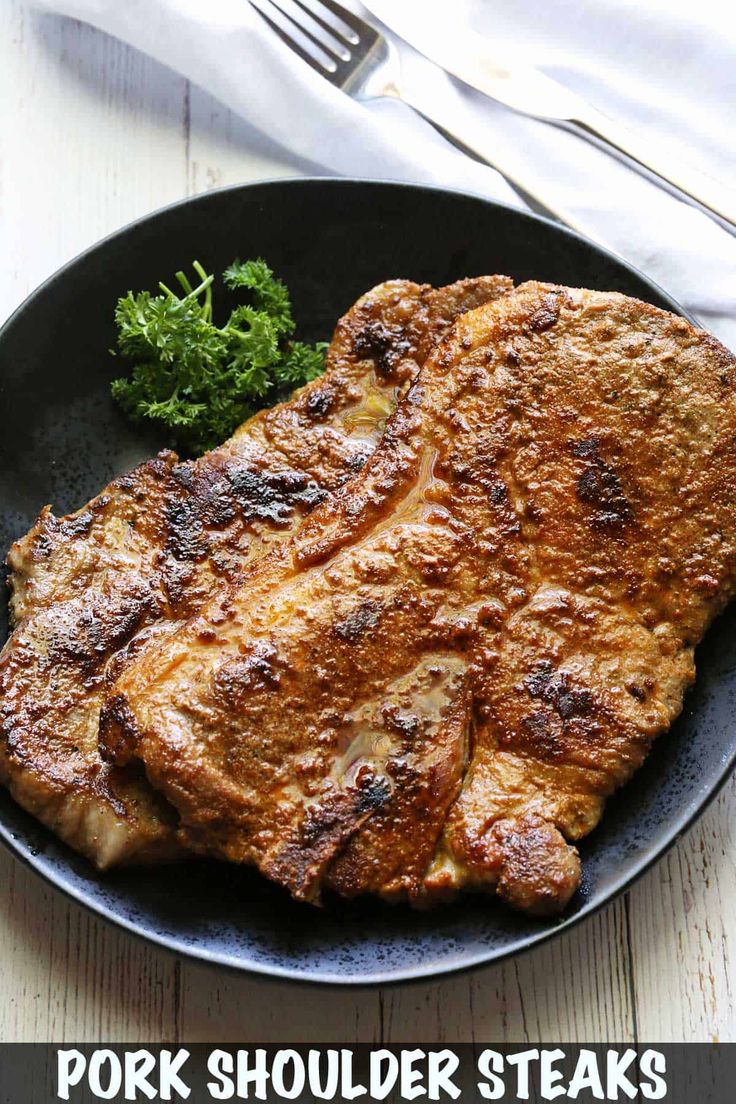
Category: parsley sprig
<point>200,380</point>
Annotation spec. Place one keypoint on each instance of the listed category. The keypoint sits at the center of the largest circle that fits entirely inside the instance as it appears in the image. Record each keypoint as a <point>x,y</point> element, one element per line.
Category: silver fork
<point>359,60</point>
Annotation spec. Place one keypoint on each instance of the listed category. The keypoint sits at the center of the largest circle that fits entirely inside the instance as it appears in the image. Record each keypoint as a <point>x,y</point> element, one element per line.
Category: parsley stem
<point>193,293</point>
<point>207,285</point>
<point>181,277</point>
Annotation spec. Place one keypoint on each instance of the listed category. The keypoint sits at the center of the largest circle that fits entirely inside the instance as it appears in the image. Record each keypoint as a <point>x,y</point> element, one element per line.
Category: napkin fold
<point>664,68</point>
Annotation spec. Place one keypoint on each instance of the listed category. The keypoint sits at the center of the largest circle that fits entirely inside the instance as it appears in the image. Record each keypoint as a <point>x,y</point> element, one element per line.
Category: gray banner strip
<point>677,1073</point>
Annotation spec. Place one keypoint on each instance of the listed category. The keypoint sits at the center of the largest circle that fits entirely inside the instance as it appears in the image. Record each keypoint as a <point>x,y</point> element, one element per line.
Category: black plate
<point>62,440</point>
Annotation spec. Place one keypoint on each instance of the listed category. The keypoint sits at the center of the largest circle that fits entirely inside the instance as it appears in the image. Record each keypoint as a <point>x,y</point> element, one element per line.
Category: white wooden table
<point>93,135</point>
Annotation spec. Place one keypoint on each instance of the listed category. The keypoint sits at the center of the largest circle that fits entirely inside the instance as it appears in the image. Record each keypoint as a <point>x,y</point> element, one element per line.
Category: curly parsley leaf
<point>268,293</point>
<point>200,380</point>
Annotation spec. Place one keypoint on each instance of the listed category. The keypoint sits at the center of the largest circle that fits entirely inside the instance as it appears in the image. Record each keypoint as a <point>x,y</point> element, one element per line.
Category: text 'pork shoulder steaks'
<point>436,683</point>
<point>155,543</point>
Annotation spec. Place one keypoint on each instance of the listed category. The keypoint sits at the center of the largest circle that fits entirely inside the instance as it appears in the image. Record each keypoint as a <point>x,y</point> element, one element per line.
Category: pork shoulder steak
<point>157,541</point>
<point>439,679</point>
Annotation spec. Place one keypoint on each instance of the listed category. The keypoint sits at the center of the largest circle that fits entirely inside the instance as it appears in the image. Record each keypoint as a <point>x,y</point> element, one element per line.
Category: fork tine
<point>293,44</point>
<point>337,52</point>
<point>354,22</point>
<point>349,38</point>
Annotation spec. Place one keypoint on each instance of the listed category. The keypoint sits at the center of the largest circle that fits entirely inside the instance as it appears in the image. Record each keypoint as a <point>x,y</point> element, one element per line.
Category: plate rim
<point>413,974</point>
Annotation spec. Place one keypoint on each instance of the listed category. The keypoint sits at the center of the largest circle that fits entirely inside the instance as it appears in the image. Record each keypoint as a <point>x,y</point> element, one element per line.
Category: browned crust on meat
<point>518,577</point>
<point>158,541</point>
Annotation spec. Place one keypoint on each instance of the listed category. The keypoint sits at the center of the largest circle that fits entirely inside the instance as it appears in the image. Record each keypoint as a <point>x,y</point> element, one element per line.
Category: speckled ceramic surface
<point>62,440</point>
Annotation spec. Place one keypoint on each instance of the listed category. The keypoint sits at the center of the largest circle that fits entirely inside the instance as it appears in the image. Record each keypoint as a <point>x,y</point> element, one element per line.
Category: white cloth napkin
<point>665,68</point>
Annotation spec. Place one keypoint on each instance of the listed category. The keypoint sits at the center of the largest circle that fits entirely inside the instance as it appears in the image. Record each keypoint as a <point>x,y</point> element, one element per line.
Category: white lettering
<point>94,1074</point>
<point>169,1080</point>
<point>522,1061</point>
<point>410,1088</point>
<point>220,1064</point>
<point>138,1065</point>
<point>281,1061</point>
<point>586,1076</point>
<point>382,1084</point>
<point>349,1090</point>
<point>490,1064</point>
<point>616,1079</point>
<point>257,1076</point>
<point>441,1066</point>
<point>67,1076</point>
<point>548,1076</point>
<point>328,1091</point>
<point>653,1062</point>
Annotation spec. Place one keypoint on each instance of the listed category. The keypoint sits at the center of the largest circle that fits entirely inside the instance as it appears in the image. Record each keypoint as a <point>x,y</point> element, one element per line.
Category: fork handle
<point>657,160</point>
<point>480,145</point>
<point>682,180</point>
